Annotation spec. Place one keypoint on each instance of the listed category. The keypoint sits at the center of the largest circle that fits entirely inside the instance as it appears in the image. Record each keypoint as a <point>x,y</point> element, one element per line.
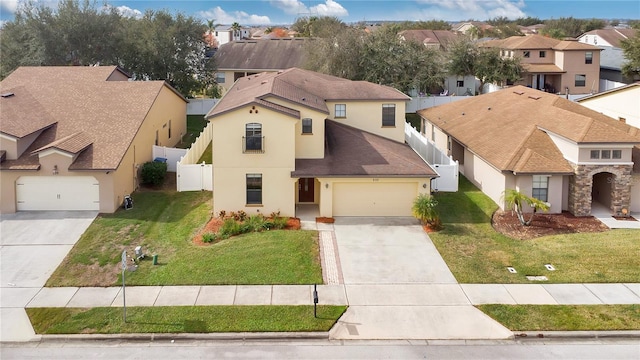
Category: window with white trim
<point>388,114</point>
<point>540,187</point>
<point>254,189</point>
<point>307,126</point>
<point>341,110</point>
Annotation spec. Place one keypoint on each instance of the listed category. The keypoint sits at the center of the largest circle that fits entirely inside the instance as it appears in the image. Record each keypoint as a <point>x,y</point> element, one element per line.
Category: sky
<point>279,12</point>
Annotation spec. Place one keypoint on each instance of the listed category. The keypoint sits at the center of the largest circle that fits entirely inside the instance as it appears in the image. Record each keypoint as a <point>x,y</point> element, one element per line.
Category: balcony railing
<point>253,144</point>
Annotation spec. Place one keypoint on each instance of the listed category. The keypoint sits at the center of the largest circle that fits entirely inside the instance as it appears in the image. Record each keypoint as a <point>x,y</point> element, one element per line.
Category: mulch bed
<point>215,223</point>
<point>507,223</point>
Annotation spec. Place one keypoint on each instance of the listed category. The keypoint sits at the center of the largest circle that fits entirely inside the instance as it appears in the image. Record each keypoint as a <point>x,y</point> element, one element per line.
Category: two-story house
<point>73,138</point>
<point>300,137</point>
<point>551,65</point>
<point>542,145</point>
<point>612,57</point>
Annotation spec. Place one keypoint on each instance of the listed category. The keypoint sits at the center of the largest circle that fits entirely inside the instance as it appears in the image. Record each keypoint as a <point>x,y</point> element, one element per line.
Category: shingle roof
<point>612,36</point>
<point>537,42</point>
<point>542,68</point>
<point>428,37</point>
<point>262,55</point>
<point>505,128</point>
<point>86,108</point>
<point>302,87</point>
<point>21,113</point>
<point>353,152</point>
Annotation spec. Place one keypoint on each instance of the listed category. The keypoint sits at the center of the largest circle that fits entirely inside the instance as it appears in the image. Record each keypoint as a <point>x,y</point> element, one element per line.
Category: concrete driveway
<point>388,251</point>
<point>32,245</point>
<point>399,287</point>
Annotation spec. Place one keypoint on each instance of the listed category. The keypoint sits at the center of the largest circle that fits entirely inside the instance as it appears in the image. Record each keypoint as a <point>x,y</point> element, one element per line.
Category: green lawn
<point>565,317</point>
<point>183,319</point>
<point>207,156</point>
<point>164,223</point>
<point>476,253</point>
<point>195,124</point>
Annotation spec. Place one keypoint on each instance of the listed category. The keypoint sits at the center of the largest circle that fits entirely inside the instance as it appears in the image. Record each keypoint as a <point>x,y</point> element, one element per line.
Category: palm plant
<point>516,200</point>
<point>236,30</point>
<point>424,209</point>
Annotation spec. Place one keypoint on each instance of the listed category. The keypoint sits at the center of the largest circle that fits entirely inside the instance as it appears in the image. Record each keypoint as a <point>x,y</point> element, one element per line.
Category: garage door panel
<point>57,193</point>
<point>373,199</point>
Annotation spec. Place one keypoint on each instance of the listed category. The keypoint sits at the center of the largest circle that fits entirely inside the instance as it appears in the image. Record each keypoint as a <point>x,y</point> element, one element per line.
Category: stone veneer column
<point>581,183</point>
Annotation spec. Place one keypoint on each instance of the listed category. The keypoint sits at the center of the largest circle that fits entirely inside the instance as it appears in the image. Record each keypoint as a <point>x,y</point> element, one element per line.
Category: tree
<point>631,49</point>
<point>424,209</point>
<point>210,37</point>
<point>314,26</point>
<point>425,25</point>
<point>570,27</point>
<point>237,31</point>
<point>516,200</point>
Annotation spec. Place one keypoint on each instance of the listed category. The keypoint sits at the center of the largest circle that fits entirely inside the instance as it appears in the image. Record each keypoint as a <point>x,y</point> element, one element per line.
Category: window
<point>254,189</point>
<point>220,77</point>
<point>588,57</point>
<point>616,154</point>
<point>543,54</point>
<point>433,132</point>
<point>169,130</point>
<point>581,80</point>
<point>605,154</point>
<point>540,187</point>
<point>460,83</point>
<point>341,110</point>
<point>307,126</point>
<point>595,154</point>
<point>253,138</point>
<point>526,54</point>
<point>388,114</point>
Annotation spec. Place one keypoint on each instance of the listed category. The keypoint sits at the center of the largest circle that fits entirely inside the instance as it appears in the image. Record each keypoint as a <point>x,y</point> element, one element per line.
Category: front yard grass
<point>476,253</point>
<point>565,317</point>
<point>183,319</point>
<point>164,223</point>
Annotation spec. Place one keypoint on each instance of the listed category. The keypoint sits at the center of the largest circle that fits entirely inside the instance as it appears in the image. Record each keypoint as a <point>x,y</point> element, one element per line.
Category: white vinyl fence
<point>444,165</point>
<point>200,106</point>
<point>419,103</point>
<point>173,155</point>
<point>191,176</point>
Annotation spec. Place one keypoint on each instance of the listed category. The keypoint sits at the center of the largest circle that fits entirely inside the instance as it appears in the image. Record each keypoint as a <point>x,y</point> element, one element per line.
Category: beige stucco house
<point>542,145</point>
<point>556,66</point>
<point>300,137</point>
<point>73,138</point>
<point>619,103</point>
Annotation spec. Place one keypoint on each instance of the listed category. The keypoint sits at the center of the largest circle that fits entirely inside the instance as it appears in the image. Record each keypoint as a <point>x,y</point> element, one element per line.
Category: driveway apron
<point>32,245</point>
<point>399,287</point>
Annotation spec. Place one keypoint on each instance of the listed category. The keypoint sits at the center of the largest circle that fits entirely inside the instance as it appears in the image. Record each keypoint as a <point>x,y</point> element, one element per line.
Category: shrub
<point>230,227</point>
<point>279,222</point>
<point>222,214</point>
<point>424,208</point>
<point>209,237</point>
<point>255,223</point>
<point>153,172</point>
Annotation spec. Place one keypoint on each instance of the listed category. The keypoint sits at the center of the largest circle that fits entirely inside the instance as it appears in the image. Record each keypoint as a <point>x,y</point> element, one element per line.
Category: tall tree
<point>314,26</point>
<point>237,31</point>
<point>571,27</point>
<point>631,49</point>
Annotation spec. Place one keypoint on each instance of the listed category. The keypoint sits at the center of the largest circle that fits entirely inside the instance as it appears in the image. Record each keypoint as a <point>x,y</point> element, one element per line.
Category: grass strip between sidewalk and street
<point>565,317</point>
<point>476,253</point>
<point>184,319</point>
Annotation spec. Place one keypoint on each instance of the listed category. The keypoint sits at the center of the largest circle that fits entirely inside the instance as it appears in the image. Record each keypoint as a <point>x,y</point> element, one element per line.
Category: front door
<point>305,189</point>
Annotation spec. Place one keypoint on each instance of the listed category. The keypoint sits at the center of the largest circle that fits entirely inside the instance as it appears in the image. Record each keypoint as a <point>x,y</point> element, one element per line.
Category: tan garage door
<point>373,199</point>
<point>57,193</point>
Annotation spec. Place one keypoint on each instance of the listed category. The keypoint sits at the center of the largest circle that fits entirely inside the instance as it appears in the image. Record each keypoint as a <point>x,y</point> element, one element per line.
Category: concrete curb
<point>188,336</point>
<point>615,334</point>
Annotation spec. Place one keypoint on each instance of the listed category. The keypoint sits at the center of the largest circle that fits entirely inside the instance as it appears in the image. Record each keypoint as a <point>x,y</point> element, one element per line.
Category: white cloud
<point>469,9</point>
<point>241,17</point>
<point>129,12</point>
<point>296,7</point>
<point>329,8</point>
<point>9,6</point>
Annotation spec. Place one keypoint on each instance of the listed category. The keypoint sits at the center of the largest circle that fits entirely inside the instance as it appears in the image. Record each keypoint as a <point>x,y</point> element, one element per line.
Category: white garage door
<point>57,193</point>
<point>373,199</point>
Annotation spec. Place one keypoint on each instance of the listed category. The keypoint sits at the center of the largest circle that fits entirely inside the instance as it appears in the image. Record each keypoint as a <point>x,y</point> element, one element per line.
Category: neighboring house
<point>471,27</point>
<point>247,57</point>
<point>551,65</point>
<point>300,137</point>
<point>612,57</point>
<point>73,138</point>
<point>620,103</point>
<point>606,37</point>
<point>440,40</point>
<point>541,145</point>
<point>225,35</point>
<point>531,30</point>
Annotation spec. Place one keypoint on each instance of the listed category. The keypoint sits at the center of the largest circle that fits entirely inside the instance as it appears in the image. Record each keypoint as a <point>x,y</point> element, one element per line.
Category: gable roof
<point>262,55</point>
<point>353,152</point>
<point>90,113</point>
<point>537,42</point>
<point>506,128</point>
<point>430,37</point>
<point>631,86</point>
<point>612,36</point>
<point>301,87</point>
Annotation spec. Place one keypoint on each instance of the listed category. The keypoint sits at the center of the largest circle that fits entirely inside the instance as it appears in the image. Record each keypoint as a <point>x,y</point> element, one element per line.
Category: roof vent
<point>463,114</point>
<point>489,108</point>
<point>264,82</point>
<point>534,97</point>
<point>518,92</point>
<point>6,95</point>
